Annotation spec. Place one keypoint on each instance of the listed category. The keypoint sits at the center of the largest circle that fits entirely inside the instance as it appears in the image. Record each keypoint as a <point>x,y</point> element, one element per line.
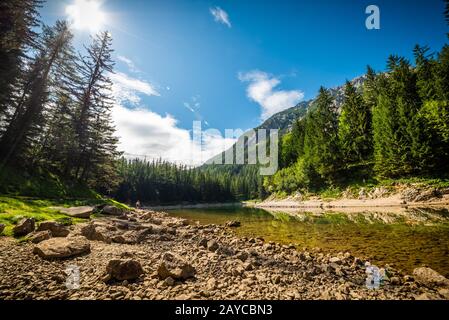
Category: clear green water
<point>405,240</point>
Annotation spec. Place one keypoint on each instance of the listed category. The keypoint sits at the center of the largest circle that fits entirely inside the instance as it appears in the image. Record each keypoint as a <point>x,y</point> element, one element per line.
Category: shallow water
<point>405,240</point>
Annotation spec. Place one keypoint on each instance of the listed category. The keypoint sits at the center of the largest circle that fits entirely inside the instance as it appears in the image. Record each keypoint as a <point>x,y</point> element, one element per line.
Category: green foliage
<point>14,209</point>
<point>55,106</point>
<point>160,182</point>
<point>397,127</point>
<point>321,143</point>
<point>355,127</point>
<point>41,183</point>
<point>291,179</point>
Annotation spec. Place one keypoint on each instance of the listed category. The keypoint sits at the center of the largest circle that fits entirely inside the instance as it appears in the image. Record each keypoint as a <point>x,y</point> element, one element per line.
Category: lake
<point>404,239</point>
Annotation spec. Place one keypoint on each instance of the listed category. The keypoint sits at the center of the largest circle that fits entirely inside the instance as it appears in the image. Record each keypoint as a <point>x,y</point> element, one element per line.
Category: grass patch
<point>330,193</point>
<point>13,210</point>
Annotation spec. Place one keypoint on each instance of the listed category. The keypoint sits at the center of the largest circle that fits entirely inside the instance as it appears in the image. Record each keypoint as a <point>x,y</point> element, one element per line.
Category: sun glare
<point>86,15</point>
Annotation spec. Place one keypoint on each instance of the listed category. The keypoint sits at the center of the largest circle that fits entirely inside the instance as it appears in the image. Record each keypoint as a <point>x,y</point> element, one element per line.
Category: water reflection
<point>404,238</point>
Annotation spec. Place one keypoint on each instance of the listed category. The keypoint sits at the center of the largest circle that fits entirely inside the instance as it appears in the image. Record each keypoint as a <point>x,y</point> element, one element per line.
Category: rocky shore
<point>149,255</point>
<point>380,197</point>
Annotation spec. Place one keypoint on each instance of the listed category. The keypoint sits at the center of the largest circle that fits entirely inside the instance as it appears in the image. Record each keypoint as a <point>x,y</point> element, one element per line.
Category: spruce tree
<point>321,142</point>
<point>96,149</point>
<point>18,18</point>
<point>27,121</point>
<point>355,127</point>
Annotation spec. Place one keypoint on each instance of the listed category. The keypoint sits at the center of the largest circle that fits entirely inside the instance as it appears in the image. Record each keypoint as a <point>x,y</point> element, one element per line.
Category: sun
<point>86,15</point>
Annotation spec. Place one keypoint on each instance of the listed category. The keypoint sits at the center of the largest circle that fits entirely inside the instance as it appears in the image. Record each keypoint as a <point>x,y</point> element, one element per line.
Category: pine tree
<point>96,144</point>
<point>28,118</point>
<point>355,127</point>
<point>425,65</point>
<point>17,20</point>
<point>321,141</point>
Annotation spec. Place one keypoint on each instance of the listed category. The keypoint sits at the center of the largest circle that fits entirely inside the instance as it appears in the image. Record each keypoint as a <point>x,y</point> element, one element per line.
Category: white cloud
<point>129,63</point>
<point>144,133</point>
<point>127,89</point>
<point>221,16</point>
<point>262,89</point>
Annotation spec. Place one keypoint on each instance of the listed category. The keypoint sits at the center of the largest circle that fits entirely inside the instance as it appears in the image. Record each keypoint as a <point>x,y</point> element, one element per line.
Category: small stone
<point>203,243</point>
<point>242,256</point>
<point>212,245</point>
<point>444,293</point>
<point>169,281</point>
<point>395,281</point>
<point>335,260</point>
<point>430,278</point>
<point>174,266</point>
<point>248,266</point>
<point>233,224</point>
<point>124,269</point>
<point>39,236</point>
<point>211,284</point>
<point>277,279</point>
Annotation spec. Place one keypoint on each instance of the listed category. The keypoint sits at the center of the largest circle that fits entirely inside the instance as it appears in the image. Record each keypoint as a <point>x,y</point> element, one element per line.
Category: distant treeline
<point>160,182</point>
<point>396,125</point>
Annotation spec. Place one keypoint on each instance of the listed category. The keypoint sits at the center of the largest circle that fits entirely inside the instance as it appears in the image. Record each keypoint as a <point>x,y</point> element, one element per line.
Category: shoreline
<point>393,202</point>
<point>217,265</point>
<point>193,206</point>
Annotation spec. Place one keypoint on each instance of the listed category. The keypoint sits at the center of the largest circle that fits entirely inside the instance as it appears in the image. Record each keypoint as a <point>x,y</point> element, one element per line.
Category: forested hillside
<point>55,123</point>
<point>160,182</point>
<point>396,126</point>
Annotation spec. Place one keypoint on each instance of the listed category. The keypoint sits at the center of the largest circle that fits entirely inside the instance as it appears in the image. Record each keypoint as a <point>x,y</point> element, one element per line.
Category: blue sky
<point>233,63</point>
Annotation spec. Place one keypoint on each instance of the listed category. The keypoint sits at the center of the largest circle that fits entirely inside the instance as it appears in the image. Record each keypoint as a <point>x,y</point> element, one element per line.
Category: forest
<point>395,125</point>
<point>55,122</point>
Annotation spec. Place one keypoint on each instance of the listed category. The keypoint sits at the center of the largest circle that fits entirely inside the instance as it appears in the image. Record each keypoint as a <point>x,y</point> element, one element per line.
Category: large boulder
<point>112,211</point>
<point>38,236</point>
<point>60,248</point>
<point>25,226</point>
<point>77,212</point>
<point>124,269</point>
<point>430,278</point>
<point>56,229</point>
<point>174,266</point>
<point>130,237</point>
<point>2,227</point>
<point>96,232</point>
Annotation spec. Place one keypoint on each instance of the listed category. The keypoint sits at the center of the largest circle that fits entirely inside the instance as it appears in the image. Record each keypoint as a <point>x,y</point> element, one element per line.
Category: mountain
<point>284,120</point>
